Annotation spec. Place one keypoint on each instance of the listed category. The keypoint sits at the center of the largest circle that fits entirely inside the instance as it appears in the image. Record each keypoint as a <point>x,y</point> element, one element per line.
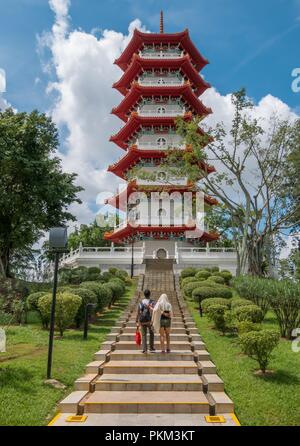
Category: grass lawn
<point>259,401</point>
<point>24,398</point>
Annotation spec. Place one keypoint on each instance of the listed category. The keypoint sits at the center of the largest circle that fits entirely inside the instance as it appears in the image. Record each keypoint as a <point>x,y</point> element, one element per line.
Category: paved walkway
<point>124,387</point>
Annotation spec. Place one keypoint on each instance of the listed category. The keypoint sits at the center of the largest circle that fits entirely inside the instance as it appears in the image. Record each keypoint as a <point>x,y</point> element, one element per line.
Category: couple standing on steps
<point>155,318</point>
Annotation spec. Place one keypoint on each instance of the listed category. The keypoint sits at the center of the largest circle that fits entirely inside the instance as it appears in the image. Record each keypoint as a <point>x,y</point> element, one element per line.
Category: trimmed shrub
<point>88,297</point>
<point>227,276</point>
<point>215,269</point>
<point>106,297</point>
<point>236,303</point>
<point>217,279</point>
<point>188,272</point>
<point>212,301</point>
<point>121,274</point>
<point>246,327</point>
<point>216,313</point>
<point>251,313</point>
<point>67,306</point>
<point>224,292</point>
<point>284,297</point>
<point>255,289</point>
<point>112,271</point>
<point>106,276</point>
<point>202,274</point>
<point>190,287</point>
<point>203,293</point>
<point>33,299</point>
<point>187,280</point>
<point>117,288</point>
<point>32,302</point>
<point>259,346</point>
<point>93,273</point>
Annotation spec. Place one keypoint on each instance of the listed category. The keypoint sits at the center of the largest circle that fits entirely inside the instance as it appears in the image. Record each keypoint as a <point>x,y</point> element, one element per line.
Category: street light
<point>86,319</point>
<point>57,244</point>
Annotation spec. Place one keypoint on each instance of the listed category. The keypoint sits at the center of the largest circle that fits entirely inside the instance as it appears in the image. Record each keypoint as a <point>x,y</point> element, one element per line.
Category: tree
<point>34,191</point>
<point>88,235</point>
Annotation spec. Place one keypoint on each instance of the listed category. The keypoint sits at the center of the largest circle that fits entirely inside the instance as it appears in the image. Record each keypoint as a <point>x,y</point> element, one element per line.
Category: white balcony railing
<point>156,114</point>
<point>165,83</point>
<point>160,54</point>
<point>152,145</point>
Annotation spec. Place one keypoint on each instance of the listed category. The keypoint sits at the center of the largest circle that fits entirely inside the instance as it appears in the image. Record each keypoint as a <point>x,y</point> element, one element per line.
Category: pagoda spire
<point>161,25</point>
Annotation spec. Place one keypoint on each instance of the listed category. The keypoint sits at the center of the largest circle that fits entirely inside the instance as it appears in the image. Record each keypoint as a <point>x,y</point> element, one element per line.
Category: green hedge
<point>251,313</point>
<point>214,301</point>
<point>259,346</point>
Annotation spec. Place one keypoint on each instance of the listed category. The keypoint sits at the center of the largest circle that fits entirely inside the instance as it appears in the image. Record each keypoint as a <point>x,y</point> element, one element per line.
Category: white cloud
<point>84,74</point>
<point>82,64</point>
<point>3,103</point>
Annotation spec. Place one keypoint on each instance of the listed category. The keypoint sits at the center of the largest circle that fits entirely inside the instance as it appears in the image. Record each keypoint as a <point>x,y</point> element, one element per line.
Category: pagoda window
<point>161,110</point>
<point>161,142</point>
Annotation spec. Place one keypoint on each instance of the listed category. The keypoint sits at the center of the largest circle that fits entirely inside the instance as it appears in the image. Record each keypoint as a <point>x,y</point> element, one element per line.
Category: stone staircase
<point>124,387</point>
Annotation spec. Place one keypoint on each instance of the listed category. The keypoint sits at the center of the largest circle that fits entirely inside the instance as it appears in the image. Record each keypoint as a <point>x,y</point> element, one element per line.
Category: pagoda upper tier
<point>159,95</point>
<point>162,126</point>
<point>135,156</point>
<point>153,46</point>
<point>161,69</point>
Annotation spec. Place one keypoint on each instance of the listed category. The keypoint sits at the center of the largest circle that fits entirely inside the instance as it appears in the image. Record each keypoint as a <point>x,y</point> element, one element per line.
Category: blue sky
<point>253,44</point>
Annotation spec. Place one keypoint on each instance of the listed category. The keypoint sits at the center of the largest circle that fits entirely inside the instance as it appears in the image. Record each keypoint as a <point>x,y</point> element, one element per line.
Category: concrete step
<point>145,419</point>
<point>212,383</point>
<point>129,337</point>
<point>221,402</point>
<point>149,382</point>
<point>137,355</point>
<point>146,402</point>
<point>131,345</point>
<point>174,330</point>
<point>150,367</point>
<point>207,367</point>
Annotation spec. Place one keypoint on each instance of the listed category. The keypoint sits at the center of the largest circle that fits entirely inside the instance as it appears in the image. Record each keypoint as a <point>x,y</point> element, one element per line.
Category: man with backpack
<point>143,319</point>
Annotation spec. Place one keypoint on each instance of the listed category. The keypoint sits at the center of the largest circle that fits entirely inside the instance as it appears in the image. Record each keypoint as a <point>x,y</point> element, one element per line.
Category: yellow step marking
<point>57,416</point>
<point>76,418</point>
<point>235,419</point>
<point>215,419</point>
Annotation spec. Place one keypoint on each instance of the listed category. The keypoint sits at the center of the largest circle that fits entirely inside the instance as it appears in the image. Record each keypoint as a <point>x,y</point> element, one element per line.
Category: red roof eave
<point>137,91</point>
<point>139,38</point>
<point>138,64</point>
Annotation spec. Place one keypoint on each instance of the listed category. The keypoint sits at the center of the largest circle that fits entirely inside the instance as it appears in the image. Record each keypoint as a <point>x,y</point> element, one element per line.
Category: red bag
<point>138,339</point>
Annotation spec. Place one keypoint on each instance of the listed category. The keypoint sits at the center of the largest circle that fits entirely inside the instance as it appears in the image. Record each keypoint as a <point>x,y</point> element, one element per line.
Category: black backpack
<point>145,315</point>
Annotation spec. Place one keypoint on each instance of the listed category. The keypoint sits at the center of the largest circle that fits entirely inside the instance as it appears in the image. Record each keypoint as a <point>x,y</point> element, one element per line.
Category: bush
<point>106,297</point>
<point>217,279</point>
<point>93,273</point>
<point>251,313</point>
<point>187,280</point>
<point>121,274</point>
<point>88,297</point>
<point>212,301</point>
<point>32,302</point>
<point>224,292</point>
<point>227,276</point>
<point>255,289</point>
<point>216,313</point>
<point>246,327</point>
<point>203,293</point>
<point>235,303</point>
<point>259,345</point>
<point>188,272</point>
<point>215,269</point>
<point>117,288</point>
<point>202,274</point>
<point>284,297</point>
<point>190,287</point>
<point>106,276</point>
<point>67,306</point>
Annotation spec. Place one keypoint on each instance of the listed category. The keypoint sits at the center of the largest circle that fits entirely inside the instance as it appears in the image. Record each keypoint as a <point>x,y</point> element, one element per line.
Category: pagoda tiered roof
<point>128,232</point>
<point>136,122</point>
<point>138,91</point>
<point>120,200</point>
<point>140,64</point>
<point>139,39</point>
<point>134,155</point>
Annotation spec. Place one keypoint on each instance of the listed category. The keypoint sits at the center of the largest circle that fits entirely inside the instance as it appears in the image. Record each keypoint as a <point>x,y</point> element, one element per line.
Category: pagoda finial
<point>161,27</point>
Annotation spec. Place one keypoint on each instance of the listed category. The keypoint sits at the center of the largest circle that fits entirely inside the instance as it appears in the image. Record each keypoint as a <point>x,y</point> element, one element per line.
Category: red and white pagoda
<point>161,81</point>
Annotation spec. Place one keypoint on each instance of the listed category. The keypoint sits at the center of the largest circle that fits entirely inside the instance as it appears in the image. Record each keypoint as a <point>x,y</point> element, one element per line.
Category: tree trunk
<point>4,262</point>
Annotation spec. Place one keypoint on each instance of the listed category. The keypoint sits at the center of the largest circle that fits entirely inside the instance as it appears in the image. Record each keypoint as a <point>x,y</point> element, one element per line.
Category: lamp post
<point>86,320</point>
<point>200,308</point>
<point>57,245</point>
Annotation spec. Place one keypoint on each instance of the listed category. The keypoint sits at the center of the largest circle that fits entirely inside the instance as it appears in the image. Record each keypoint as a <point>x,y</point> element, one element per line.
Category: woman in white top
<point>161,321</point>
